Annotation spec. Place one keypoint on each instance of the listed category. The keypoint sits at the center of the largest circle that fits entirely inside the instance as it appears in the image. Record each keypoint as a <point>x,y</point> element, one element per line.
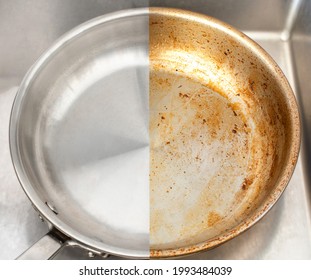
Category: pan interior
<point>84,141</point>
<point>219,133</point>
<point>200,155</point>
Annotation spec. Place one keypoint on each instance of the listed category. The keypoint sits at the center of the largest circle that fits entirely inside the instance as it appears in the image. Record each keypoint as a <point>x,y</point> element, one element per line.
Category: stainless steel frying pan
<point>152,133</point>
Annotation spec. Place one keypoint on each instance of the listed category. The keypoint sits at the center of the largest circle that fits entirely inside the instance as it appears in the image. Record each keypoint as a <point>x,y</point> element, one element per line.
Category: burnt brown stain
<point>275,165</point>
<point>246,183</point>
<point>163,82</point>
<point>264,86</point>
<point>213,218</point>
<point>183,95</point>
<point>252,85</point>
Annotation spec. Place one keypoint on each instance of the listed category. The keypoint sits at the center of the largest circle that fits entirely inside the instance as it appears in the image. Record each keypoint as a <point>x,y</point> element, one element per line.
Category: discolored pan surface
<point>220,132</point>
<point>199,159</point>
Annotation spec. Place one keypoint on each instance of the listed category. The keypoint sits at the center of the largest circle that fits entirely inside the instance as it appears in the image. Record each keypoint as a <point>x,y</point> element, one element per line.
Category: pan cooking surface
<point>97,151</point>
<point>199,159</point>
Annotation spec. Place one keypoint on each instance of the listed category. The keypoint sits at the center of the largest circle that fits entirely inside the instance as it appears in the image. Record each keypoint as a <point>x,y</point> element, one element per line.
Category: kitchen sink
<point>281,27</point>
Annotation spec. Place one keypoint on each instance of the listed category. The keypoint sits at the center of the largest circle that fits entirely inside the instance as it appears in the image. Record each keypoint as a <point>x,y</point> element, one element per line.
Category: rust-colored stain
<point>222,125</point>
<point>213,218</point>
<point>246,183</point>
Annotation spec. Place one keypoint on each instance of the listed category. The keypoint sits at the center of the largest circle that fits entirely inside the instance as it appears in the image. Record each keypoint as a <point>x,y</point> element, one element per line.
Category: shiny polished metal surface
<point>42,249</point>
<point>285,231</point>
<point>79,134</point>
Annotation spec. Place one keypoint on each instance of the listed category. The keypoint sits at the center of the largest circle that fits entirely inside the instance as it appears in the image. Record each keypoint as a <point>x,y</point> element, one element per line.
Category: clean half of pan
<point>82,133</point>
<point>154,133</point>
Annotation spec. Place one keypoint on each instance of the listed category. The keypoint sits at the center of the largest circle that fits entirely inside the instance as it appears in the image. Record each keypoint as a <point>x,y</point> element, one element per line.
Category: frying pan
<point>152,133</point>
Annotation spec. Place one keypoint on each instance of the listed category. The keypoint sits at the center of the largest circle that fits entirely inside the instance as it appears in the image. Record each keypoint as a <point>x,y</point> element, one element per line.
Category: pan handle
<point>44,249</point>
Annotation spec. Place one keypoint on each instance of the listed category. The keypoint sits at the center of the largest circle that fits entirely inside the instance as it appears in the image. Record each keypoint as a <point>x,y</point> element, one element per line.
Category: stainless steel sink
<point>281,27</point>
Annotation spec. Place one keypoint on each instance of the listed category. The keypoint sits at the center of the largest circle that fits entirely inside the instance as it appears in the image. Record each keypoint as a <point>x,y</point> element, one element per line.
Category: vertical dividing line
<point>149,118</point>
<point>291,19</point>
